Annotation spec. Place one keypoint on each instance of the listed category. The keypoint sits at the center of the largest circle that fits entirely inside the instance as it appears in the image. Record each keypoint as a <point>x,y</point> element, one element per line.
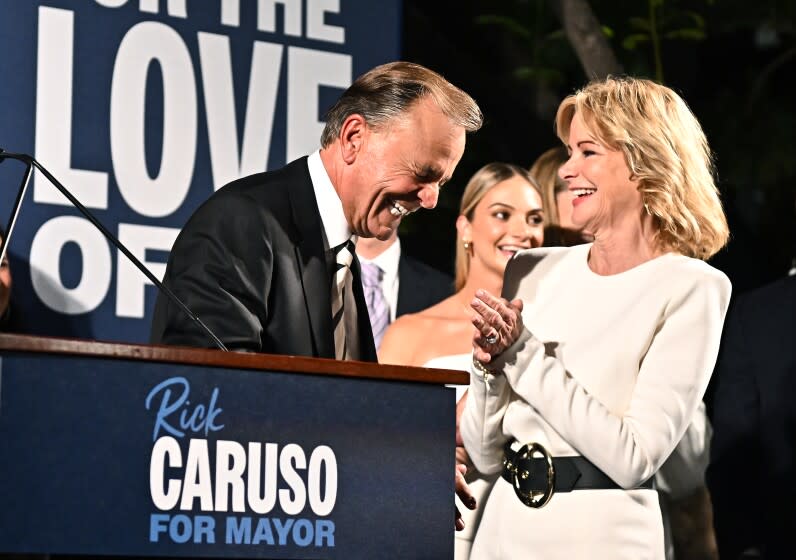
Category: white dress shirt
<point>335,226</point>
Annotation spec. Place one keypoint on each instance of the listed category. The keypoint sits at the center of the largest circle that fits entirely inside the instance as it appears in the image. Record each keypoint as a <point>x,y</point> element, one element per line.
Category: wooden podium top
<point>243,360</point>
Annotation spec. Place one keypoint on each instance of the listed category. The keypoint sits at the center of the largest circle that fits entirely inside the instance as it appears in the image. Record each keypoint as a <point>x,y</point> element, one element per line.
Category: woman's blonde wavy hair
<point>666,151</point>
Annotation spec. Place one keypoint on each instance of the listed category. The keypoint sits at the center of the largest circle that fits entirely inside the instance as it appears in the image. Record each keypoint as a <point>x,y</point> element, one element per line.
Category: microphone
<point>30,162</point>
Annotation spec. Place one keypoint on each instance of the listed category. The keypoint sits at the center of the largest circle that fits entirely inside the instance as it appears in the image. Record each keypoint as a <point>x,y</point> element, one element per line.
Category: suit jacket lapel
<point>367,347</point>
<point>311,261</point>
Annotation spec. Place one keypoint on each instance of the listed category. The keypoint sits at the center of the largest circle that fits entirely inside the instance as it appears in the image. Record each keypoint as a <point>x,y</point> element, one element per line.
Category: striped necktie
<point>378,310</point>
<point>344,254</point>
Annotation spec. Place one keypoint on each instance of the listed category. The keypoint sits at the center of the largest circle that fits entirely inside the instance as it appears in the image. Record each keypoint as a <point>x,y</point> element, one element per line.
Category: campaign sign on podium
<point>118,455</point>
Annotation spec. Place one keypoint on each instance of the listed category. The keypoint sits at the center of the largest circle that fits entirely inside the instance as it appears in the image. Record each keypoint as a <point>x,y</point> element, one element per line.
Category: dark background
<point>728,59</point>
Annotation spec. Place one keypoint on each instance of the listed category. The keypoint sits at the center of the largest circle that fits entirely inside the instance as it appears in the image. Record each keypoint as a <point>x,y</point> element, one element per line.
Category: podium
<point>134,450</point>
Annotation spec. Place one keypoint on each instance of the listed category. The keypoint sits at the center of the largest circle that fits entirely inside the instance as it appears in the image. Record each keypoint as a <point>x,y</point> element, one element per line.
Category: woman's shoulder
<point>545,257</point>
<point>539,253</point>
<point>414,338</point>
<point>689,271</point>
<point>682,283</point>
<point>528,267</point>
<point>409,323</point>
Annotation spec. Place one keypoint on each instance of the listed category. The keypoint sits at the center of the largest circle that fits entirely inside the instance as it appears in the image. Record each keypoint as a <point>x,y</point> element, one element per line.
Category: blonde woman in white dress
<point>501,213</point>
<point>588,370</point>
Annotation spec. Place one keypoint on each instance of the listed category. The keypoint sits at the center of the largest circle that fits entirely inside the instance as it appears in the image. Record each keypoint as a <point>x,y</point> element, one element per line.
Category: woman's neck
<point>480,280</point>
<point>617,251</point>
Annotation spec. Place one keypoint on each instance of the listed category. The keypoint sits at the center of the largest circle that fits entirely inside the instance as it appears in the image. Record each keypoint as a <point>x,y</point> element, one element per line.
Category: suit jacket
<point>420,286</point>
<point>252,265</point>
<point>752,472</point>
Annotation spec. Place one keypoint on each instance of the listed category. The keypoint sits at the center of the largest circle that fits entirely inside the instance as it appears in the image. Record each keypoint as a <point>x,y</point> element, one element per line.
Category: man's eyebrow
<point>429,171</point>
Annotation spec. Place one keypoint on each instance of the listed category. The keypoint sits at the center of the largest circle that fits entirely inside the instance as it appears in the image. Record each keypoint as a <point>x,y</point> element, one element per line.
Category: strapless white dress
<point>459,362</point>
<point>479,485</point>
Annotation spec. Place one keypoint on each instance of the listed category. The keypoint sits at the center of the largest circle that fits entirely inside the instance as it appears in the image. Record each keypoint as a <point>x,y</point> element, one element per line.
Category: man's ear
<point>352,136</point>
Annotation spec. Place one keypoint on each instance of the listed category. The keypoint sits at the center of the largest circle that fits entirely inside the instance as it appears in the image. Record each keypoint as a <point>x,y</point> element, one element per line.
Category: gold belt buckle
<point>532,499</point>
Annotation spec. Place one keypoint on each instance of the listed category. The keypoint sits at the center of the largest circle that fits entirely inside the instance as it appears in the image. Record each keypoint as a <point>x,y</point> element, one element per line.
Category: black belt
<point>536,479</point>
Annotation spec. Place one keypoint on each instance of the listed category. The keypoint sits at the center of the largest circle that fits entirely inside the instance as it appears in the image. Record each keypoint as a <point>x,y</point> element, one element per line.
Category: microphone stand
<point>30,162</point>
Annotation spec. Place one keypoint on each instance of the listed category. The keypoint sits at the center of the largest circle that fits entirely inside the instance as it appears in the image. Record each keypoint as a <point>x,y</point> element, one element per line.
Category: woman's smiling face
<point>599,180</point>
<point>508,218</point>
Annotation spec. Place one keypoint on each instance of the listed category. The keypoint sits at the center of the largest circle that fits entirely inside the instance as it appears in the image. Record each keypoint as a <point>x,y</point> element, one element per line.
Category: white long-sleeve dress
<point>608,367</point>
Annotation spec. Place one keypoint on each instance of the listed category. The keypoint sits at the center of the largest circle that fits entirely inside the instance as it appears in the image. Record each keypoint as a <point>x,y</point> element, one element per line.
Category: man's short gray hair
<point>389,90</point>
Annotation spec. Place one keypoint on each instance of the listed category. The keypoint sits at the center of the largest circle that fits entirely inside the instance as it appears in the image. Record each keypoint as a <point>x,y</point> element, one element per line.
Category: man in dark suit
<point>256,262</point>
<point>404,284</point>
<point>752,471</point>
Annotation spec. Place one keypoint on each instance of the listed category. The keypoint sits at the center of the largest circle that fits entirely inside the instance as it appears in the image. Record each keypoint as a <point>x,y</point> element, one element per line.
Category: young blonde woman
<point>501,213</point>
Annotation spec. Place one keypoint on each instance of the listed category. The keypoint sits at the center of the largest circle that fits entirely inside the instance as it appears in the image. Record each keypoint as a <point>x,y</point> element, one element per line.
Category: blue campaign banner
<point>132,458</point>
<point>142,108</point>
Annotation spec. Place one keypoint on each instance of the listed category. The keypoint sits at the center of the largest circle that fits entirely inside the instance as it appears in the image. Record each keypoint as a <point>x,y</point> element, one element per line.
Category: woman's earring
<point>467,245</point>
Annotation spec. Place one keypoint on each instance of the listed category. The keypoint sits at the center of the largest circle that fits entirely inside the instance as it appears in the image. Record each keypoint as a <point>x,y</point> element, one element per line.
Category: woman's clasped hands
<point>498,324</point>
